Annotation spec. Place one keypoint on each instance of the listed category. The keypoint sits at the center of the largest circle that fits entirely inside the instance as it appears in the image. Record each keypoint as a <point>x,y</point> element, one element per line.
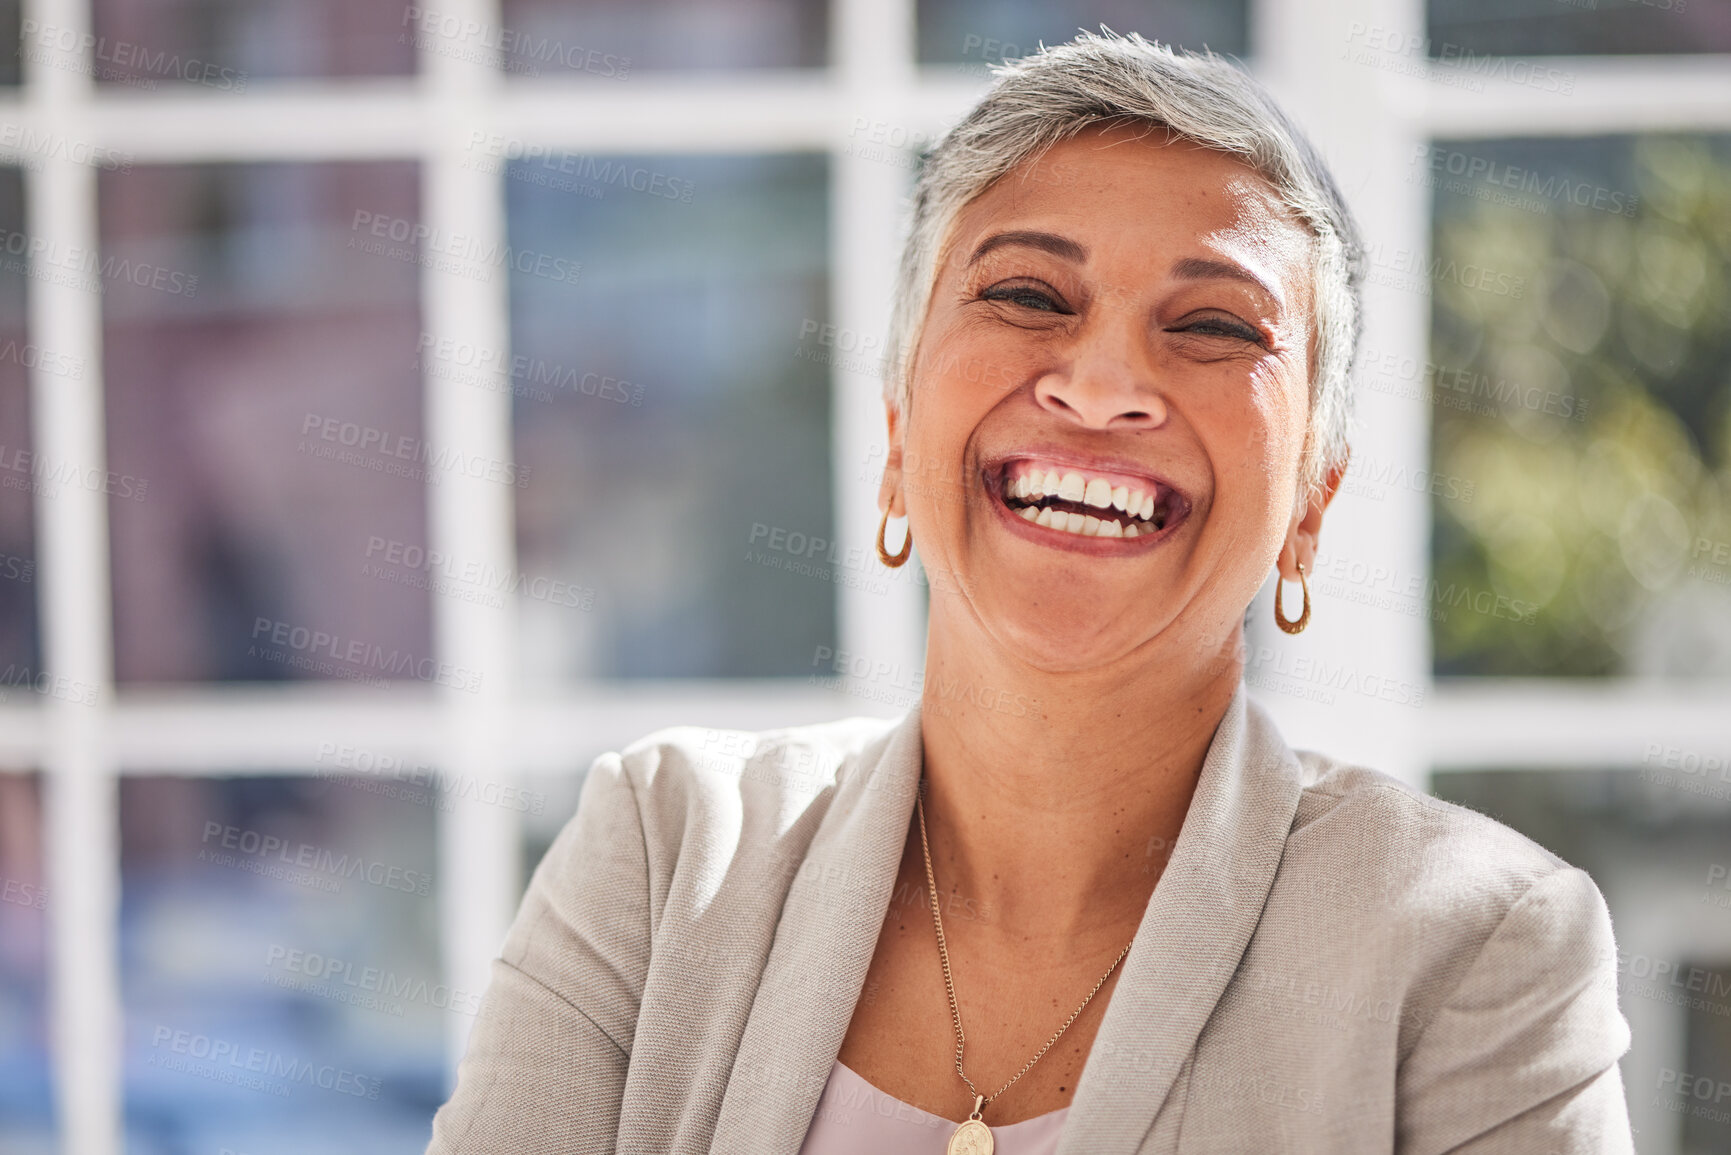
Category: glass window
<point>264,421</point>
<point>10,17</point>
<point>613,40</point>
<point>1581,327</point>
<point>21,474</point>
<point>26,1089</point>
<point>280,966</point>
<point>977,34</point>
<point>226,45</point>
<point>1577,27</point>
<point>667,420</point>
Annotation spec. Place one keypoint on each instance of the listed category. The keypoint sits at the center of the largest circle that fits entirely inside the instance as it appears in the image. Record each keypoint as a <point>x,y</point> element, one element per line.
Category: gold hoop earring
<point>894,561</point>
<point>1293,627</point>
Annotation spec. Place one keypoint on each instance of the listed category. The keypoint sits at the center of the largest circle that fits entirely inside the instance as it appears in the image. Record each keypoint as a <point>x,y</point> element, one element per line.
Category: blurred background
<point>402,404</point>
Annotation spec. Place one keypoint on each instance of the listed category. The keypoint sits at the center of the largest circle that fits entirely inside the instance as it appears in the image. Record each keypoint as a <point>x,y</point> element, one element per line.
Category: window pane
<point>20,472</point>
<point>9,44</point>
<point>663,412</point>
<point>1581,327</point>
<point>279,961</point>
<point>226,45</point>
<point>26,1092</point>
<point>616,39</point>
<point>1654,839</point>
<point>979,33</point>
<point>1578,27</point>
<point>264,413</point>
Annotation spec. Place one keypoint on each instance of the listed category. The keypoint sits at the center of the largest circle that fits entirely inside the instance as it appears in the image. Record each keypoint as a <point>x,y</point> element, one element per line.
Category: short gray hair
<point>1106,80</point>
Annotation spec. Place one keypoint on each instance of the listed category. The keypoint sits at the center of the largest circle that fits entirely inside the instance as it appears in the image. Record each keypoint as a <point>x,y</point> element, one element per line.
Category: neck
<point>1053,799</point>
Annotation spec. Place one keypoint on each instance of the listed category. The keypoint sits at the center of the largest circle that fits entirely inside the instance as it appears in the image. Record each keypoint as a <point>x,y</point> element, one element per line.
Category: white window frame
<point>1361,117</point>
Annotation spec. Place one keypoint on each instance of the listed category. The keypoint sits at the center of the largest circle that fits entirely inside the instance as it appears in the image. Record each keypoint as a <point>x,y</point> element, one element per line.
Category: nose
<point>1106,385</point>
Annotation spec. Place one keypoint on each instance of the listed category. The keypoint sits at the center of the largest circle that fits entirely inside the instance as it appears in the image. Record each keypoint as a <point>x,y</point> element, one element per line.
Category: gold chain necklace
<point>973,1137</point>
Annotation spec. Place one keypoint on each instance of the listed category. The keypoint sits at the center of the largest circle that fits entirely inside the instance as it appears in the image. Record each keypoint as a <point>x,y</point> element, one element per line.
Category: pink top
<point>855,1118</point>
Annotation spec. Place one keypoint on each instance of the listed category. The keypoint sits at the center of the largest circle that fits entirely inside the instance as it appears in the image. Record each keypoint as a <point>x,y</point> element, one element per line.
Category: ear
<point>890,489</point>
<point>1306,527</point>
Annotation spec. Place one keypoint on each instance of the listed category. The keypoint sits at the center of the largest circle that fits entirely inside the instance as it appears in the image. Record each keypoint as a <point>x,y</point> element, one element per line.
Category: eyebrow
<point>1048,242</point>
<point>1203,269</point>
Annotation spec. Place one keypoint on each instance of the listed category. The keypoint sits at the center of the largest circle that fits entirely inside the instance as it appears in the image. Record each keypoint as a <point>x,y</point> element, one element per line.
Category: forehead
<point>1142,195</point>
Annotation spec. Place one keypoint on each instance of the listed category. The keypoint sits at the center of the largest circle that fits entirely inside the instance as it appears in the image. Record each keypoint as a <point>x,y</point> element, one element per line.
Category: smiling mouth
<point>1088,503</point>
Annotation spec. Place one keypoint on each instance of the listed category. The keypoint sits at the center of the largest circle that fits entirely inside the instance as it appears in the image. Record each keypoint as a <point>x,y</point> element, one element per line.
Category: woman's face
<point>1109,403</point>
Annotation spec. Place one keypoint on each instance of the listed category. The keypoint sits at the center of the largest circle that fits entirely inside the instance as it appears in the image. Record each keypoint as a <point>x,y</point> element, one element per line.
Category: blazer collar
<point>1192,936</point>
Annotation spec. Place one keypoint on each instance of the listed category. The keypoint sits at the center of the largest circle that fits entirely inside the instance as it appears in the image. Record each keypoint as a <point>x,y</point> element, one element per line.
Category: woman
<point>1083,899</point>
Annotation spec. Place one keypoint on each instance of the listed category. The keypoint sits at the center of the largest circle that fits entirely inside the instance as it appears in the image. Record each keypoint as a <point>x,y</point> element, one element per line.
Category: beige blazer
<point>1331,963</point>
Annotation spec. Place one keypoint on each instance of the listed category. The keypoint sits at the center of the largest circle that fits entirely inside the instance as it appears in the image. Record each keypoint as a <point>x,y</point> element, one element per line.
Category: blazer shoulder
<point>783,769</point>
<point>1347,801</point>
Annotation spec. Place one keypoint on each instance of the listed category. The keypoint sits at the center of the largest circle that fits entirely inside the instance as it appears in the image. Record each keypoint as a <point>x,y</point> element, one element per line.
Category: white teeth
<point>1037,484</point>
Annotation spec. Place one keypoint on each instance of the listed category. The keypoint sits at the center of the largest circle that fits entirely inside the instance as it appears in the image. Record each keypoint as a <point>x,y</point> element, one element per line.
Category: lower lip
<point>1075,542</point>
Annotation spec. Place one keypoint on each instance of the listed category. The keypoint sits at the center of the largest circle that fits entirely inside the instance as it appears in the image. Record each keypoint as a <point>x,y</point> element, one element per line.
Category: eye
<point>1038,297</point>
<point>1216,326</point>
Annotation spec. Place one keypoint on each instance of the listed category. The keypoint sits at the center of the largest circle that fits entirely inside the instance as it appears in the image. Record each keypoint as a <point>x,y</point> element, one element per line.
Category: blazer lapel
<point>823,947</point>
<point>1196,928</point>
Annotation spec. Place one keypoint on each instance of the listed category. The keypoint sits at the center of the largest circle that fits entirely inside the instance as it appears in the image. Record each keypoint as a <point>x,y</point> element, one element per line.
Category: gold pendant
<point>971,1138</point>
